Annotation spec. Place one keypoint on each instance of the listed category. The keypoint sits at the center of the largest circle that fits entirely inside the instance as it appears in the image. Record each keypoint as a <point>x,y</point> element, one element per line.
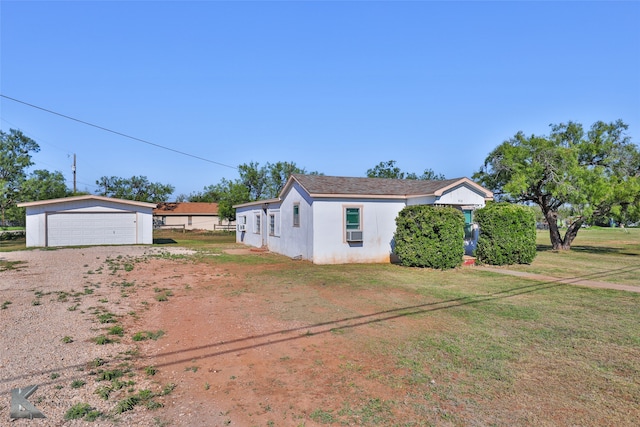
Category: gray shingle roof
<point>319,184</point>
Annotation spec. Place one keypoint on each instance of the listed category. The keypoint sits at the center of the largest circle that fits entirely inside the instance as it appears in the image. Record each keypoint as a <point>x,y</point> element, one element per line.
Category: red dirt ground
<point>239,357</point>
<point>249,348</point>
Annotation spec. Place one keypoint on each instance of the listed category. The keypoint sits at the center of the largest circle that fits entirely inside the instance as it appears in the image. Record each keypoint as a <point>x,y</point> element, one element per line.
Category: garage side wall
<point>36,230</point>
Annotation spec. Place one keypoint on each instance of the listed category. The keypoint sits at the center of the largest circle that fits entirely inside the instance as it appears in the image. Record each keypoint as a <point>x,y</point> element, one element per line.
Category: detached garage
<point>88,220</point>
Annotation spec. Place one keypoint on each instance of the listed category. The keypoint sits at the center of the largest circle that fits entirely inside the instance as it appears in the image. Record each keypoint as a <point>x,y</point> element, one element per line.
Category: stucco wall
<point>378,226</point>
<point>249,237</point>
<point>294,241</point>
<point>462,195</point>
<point>321,235</point>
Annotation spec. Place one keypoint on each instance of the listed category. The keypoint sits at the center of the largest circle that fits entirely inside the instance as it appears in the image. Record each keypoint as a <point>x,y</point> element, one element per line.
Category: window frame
<point>256,223</point>
<point>272,224</point>
<point>296,214</point>
<point>345,230</point>
<point>345,218</point>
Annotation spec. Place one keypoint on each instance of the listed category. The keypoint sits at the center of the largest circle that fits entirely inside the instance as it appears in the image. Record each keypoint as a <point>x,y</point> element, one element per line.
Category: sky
<point>336,87</point>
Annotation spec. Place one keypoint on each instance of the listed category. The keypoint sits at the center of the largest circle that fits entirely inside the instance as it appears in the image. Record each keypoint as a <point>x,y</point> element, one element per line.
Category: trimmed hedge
<point>428,236</point>
<point>507,234</point>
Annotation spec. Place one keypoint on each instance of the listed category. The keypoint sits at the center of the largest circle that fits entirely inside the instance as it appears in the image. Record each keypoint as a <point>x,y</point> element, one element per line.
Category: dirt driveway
<point>239,354</point>
<point>225,340</point>
<point>232,351</point>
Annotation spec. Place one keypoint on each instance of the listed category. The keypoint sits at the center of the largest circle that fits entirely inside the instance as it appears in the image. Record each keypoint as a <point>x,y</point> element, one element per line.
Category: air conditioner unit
<point>242,227</point>
<point>354,236</point>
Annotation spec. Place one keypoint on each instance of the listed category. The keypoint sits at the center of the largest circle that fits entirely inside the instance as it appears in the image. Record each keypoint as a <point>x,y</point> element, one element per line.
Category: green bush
<point>429,236</point>
<point>507,234</point>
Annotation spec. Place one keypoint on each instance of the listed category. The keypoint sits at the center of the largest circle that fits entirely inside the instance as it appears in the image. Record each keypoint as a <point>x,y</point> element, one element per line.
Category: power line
<point>116,132</point>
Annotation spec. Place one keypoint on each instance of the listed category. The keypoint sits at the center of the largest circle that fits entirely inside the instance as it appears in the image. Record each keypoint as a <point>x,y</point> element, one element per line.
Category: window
<point>353,225</point>
<point>189,220</point>
<point>353,218</point>
<point>272,225</point>
<point>257,224</point>
<point>296,215</point>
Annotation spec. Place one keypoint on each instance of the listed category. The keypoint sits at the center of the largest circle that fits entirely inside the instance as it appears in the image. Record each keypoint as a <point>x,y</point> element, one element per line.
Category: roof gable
<point>86,197</point>
<point>335,186</point>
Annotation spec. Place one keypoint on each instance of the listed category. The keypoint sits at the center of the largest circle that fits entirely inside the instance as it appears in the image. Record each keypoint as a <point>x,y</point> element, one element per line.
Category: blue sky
<point>335,87</point>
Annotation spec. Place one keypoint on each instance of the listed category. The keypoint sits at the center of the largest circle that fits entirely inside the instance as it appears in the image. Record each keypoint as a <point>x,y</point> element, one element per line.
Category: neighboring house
<point>333,220</point>
<point>88,220</point>
<point>189,215</point>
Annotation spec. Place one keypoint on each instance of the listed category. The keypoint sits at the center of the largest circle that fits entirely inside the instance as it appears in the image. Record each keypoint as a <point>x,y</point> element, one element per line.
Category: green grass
<point>78,411</point>
<point>601,254</point>
<point>12,265</point>
<point>102,340</point>
<point>207,241</point>
<point>147,335</point>
<point>473,342</point>
<point>14,244</point>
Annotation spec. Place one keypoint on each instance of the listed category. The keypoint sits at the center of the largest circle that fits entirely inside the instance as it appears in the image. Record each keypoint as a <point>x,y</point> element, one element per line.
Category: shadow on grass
<point>164,242</point>
<point>588,249</point>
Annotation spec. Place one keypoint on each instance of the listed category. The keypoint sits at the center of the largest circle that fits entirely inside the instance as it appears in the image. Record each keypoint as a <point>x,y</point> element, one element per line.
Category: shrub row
<point>428,236</point>
<point>507,234</point>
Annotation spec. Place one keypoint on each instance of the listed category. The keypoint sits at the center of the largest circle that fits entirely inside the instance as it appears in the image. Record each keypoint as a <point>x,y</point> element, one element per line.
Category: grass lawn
<point>467,347</point>
<point>602,254</point>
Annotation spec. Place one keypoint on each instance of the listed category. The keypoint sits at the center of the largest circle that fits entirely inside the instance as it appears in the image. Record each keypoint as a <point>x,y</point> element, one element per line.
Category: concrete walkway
<point>571,281</point>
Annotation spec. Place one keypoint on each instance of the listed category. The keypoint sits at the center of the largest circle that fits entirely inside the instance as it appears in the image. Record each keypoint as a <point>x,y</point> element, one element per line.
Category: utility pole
<point>73,168</point>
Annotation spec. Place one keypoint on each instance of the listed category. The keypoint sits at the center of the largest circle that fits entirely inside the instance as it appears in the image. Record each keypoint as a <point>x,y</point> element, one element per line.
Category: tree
<point>231,193</point>
<point>430,175</point>
<point>44,185</point>
<point>390,170</point>
<point>254,178</point>
<point>279,174</point>
<point>255,183</point>
<point>137,188</point>
<point>386,170</point>
<point>40,185</point>
<point>593,174</point>
<point>210,194</point>
<point>266,182</point>
<point>15,158</point>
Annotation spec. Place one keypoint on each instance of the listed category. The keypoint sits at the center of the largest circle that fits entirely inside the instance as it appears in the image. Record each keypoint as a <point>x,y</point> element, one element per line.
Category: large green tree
<point>15,158</point>
<point>389,169</point>
<point>594,173</point>
<point>39,185</point>
<point>231,193</point>
<point>265,182</point>
<point>255,183</point>
<point>43,185</point>
<point>137,188</point>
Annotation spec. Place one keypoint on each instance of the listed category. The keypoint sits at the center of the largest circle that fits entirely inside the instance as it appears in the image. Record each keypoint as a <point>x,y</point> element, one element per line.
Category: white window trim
<point>344,220</point>
<point>257,222</point>
<point>276,223</point>
<point>294,215</point>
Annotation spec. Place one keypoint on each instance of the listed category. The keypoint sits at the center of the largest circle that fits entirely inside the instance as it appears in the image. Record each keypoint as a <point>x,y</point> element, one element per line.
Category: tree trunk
<point>571,233</point>
<point>557,242</point>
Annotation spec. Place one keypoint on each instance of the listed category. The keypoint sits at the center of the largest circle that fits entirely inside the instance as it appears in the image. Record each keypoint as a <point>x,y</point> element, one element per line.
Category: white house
<point>333,220</point>
<point>88,220</point>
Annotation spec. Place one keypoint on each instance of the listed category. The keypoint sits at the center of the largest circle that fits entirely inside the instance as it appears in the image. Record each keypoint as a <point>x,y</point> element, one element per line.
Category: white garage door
<point>98,228</point>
